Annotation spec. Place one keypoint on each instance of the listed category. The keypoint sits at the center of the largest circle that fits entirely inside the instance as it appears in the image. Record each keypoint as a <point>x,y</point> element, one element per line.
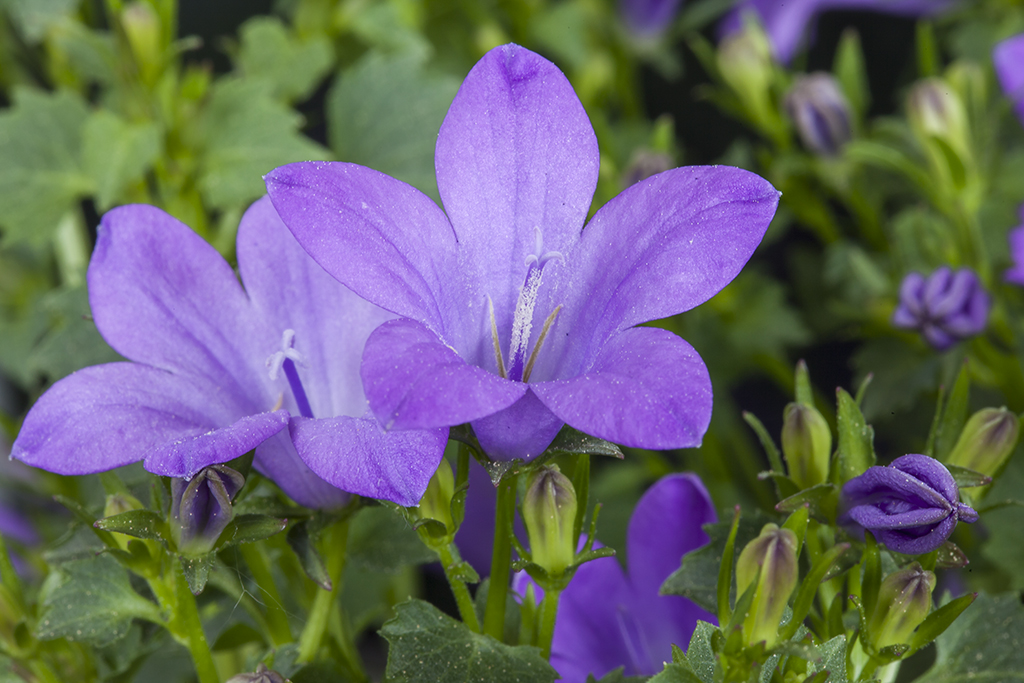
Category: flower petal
<point>516,154</point>
<point>661,247</point>
<point>414,381</point>
<point>277,460</point>
<point>589,637</point>
<point>331,323</point>
<point>910,543</point>
<point>111,415</point>
<point>870,517</point>
<point>1008,58</point>
<point>930,471</point>
<point>666,525</point>
<point>523,430</point>
<point>382,238</point>
<point>356,455</point>
<point>162,296</point>
<point>647,389</point>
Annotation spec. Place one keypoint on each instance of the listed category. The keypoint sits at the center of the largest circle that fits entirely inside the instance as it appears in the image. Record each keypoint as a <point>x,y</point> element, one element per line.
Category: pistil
<point>285,360</point>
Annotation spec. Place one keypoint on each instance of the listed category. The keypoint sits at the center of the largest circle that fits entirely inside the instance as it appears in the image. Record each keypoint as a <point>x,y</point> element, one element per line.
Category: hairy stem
<point>546,617</point>
<point>449,558</point>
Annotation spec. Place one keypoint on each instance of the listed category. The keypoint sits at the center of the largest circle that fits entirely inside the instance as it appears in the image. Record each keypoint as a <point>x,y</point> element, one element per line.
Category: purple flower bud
<point>1008,60</point>
<point>648,17</point>
<point>261,675</point>
<point>904,600</point>
<point>821,113</point>
<point>945,307</point>
<point>1016,239</point>
<point>201,508</point>
<point>911,506</point>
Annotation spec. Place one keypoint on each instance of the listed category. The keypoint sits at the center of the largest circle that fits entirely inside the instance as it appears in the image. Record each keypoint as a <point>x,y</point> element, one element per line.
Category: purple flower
<point>201,507</point>
<point>219,370</point>
<point>945,307</point>
<point>512,317</point>
<point>648,17</point>
<point>821,113</point>
<point>911,506</point>
<point>1008,60</point>
<point>786,21</point>
<point>1016,239</point>
<point>608,618</point>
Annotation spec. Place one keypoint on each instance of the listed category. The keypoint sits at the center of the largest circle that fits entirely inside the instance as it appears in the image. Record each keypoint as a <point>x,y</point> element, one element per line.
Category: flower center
<point>520,366</point>
<point>286,360</point>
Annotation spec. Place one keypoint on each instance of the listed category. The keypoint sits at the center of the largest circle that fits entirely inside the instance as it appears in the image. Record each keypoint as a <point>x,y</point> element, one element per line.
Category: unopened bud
<point>201,508</point>
<point>261,675</point>
<point>116,504</point>
<point>904,600</point>
<point>821,113</point>
<point>774,553</point>
<point>935,110</point>
<point>806,445</point>
<point>437,500</point>
<point>745,61</point>
<point>142,28</point>
<point>986,442</point>
<point>549,511</point>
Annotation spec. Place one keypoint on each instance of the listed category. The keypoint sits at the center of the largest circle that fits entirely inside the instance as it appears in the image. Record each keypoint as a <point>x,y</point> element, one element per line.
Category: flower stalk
<point>501,557</point>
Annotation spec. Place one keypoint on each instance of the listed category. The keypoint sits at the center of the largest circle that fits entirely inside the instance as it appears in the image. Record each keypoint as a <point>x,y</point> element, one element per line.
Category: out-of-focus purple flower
<point>911,506</point>
<point>648,17</point>
<point>1015,274</point>
<point>821,113</point>
<point>219,370</point>
<point>1008,60</point>
<point>787,21</point>
<point>945,307</point>
<point>608,618</point>
<point>201,507</point>
<point>513,317</point>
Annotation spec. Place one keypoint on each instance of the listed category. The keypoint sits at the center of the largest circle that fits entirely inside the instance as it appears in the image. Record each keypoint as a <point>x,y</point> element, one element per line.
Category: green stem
<point>255,557</point>
<point>8,576</point>
<point>449,558</point>
<point>501,558</point>
<point>188,628</point>
<point>548,611</point>
<point>335,541</point>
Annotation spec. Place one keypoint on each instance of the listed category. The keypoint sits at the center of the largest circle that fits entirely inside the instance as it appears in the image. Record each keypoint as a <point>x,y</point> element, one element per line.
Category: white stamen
<point>287,352</point>
<point>540,342</point>
<point>522,321</point>
<point>497,343</point>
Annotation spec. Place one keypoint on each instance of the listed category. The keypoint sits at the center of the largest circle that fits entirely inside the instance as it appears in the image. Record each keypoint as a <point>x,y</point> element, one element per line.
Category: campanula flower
<point>788,21</point>
<point>648,17</point>
<point>1015,274</point>
<point>1008,60</point>
<point>911,506</point>
<point>512,317</point>
<point>944,307</point>
<point>821,113</point>
<point>219,370</point>
<point>608,618</point>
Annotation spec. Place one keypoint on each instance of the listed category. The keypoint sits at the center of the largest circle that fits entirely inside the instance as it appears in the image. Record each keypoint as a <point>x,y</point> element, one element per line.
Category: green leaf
<point>243,134</point>
<point>938,621</point>
<point>71,341</point>
<point>383,540</point>
<point>138,523</point>
<point>34,17</point>
<point>770,449</point>
<point>802,383</point>
<point>91,600</point>
<point>856,451</point>
<point>385,111</point>
<point>249,529</point>
<point>831,659</point>
<point>986,644</point>
<point>821,500</point>
<point>954,414</point>
<point>427,646</point>
<point>197,571</point>
<point>302,541</point>
<point>40,177</point>
<point>676,672</point>
<point>697,577</point>
<point>851,73</point>
<point>701,654</point>
<point>116,153</point>
<point>293,67</point>
<point>966,478</point>
<point>572,441</point>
